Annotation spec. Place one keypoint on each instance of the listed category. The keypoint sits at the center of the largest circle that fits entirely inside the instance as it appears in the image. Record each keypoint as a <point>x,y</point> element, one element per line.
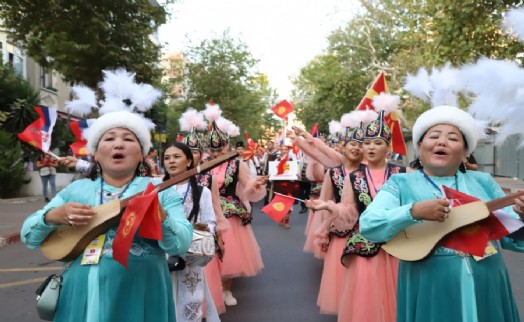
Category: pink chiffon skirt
<point>310,246</point>
<point>369,289</point>
<point>242,253</point>
<point>332,274</point>
<point>214,282</point>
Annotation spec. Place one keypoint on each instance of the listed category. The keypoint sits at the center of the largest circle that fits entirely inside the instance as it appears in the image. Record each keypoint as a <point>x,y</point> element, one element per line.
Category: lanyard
<point>102,189</point>
<point>386,171</point>
<point>187,191</point>
<point>431,182</point>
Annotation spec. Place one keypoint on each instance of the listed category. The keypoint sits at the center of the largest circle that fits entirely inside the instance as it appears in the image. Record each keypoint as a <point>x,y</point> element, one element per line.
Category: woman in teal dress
<point>107,291</point>
<point>449,284</point>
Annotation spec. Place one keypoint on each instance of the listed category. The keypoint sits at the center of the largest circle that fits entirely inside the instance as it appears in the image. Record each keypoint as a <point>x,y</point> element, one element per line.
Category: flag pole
<point>53,155</point>
<point>277,193</point>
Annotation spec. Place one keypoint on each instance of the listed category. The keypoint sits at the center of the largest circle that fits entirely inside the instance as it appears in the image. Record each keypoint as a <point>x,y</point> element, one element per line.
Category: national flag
<point>151,226</point>
<point>398,145</point>
<point>281,166</point>
<point>473,239</point>
<point>141,211</point>
<point>38,133</point>
<point>314,130</point>
<point>279,138</point>
<point>249,141</point>
<point>79,147</point>
<point>251,149</point>
<point>295,149</point>
<point>282,109</point>
<point>278,208</point>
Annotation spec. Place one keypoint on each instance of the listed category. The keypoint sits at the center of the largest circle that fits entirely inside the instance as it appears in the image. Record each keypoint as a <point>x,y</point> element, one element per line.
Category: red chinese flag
<point>471,239</point>
<point>281,166</point>
<point>282,109</point>
<point>151,226</point>
<point>398,145</point>
<point>278,207</point>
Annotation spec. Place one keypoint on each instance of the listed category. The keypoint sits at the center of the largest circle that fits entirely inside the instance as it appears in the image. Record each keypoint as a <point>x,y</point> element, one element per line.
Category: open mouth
<point>118,156</point>
<point>440,152</point>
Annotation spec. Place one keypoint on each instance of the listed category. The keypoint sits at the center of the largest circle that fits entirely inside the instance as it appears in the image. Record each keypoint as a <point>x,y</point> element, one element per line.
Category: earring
<point>98,170</point>
<point>142,172</point>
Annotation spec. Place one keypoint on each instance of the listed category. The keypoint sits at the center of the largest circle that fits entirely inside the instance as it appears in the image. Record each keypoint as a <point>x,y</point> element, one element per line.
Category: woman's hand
<point>72,214</point>
<point>435,210</point>
<point>260,181</point>
<point>68,161</point>
<point>317,204</point>
<point>518,207</point>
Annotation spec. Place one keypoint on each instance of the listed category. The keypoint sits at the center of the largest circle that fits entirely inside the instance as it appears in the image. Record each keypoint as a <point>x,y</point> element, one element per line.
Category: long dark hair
<point>196,190</point>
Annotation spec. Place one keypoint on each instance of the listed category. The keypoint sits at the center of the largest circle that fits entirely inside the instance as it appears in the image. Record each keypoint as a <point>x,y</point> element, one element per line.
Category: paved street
<point>286,289</point>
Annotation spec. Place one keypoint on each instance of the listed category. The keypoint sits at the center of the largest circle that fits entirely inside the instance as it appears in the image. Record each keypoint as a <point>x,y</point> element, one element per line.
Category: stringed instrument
<point>417,241</point>
<point>66,243</point>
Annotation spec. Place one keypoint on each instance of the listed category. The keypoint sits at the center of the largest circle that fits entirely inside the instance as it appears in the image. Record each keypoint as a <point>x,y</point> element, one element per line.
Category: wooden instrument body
<point>417,241</point>
<point>66,243</point>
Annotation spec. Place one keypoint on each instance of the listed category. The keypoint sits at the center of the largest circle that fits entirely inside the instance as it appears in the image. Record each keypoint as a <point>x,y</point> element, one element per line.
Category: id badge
<point>490,250</point>
<point>93,251</point>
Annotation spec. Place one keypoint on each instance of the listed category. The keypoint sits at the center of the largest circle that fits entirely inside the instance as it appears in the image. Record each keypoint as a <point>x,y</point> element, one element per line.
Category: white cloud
<point>283,35</point>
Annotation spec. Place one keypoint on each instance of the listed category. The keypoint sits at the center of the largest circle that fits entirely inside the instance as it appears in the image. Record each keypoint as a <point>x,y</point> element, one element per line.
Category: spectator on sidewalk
<point>47,169</point>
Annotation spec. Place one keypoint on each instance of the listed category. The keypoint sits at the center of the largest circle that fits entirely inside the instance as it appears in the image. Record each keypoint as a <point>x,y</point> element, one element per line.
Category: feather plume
<point>119,83</point>
<point>349,120</point>
<point>112,104</point>
<point>513,23</point>
<point>224,124</point>
<point>386,102</point>
<point>335,127</point>
<point>144,96</point>
<point>233,131</point>
<point>85,103</point>
<point>212,112</point>
<point>445,84</point>
<point>191,119</point>
<point>368,116</point>
<point>419,85</point>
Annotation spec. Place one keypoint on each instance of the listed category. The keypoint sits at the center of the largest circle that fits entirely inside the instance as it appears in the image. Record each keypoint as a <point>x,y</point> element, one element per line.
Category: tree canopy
<point>399,37</point>
<point>224,71</point>
<point>81,38</point>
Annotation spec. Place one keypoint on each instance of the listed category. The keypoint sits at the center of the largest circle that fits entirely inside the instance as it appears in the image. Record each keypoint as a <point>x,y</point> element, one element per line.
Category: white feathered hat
<point>124,100</point>
<point>445,114</point>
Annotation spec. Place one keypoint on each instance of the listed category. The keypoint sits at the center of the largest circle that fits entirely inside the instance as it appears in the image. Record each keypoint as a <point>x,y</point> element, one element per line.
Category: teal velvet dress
<point>447,285</point>
<point>108,292</point>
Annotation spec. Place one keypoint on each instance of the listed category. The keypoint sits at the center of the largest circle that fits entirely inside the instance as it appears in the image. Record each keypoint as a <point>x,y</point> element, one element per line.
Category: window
<point>45,79</point>
<point>15,59</point>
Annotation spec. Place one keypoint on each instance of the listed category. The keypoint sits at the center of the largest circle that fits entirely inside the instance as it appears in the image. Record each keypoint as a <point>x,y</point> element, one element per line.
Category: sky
<point>283,34</point>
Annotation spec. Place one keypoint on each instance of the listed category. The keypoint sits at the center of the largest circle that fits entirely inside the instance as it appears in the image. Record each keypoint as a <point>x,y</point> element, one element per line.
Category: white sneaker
<point>229,299</point>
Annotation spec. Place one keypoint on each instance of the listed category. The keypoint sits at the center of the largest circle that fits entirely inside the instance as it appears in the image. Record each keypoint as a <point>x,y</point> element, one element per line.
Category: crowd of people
<point>356,200</point>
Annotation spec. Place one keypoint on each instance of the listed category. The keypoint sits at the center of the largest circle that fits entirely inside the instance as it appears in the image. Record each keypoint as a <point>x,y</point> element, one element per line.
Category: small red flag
<point>79,147</point>
<point>278,208</point>
<point>151,225</point>
<point>398,145</point>
<point>314,130</point>
<point>137,209</point>
<point>282,109</point>
<point>281,166</point>
<point>471,239</point>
